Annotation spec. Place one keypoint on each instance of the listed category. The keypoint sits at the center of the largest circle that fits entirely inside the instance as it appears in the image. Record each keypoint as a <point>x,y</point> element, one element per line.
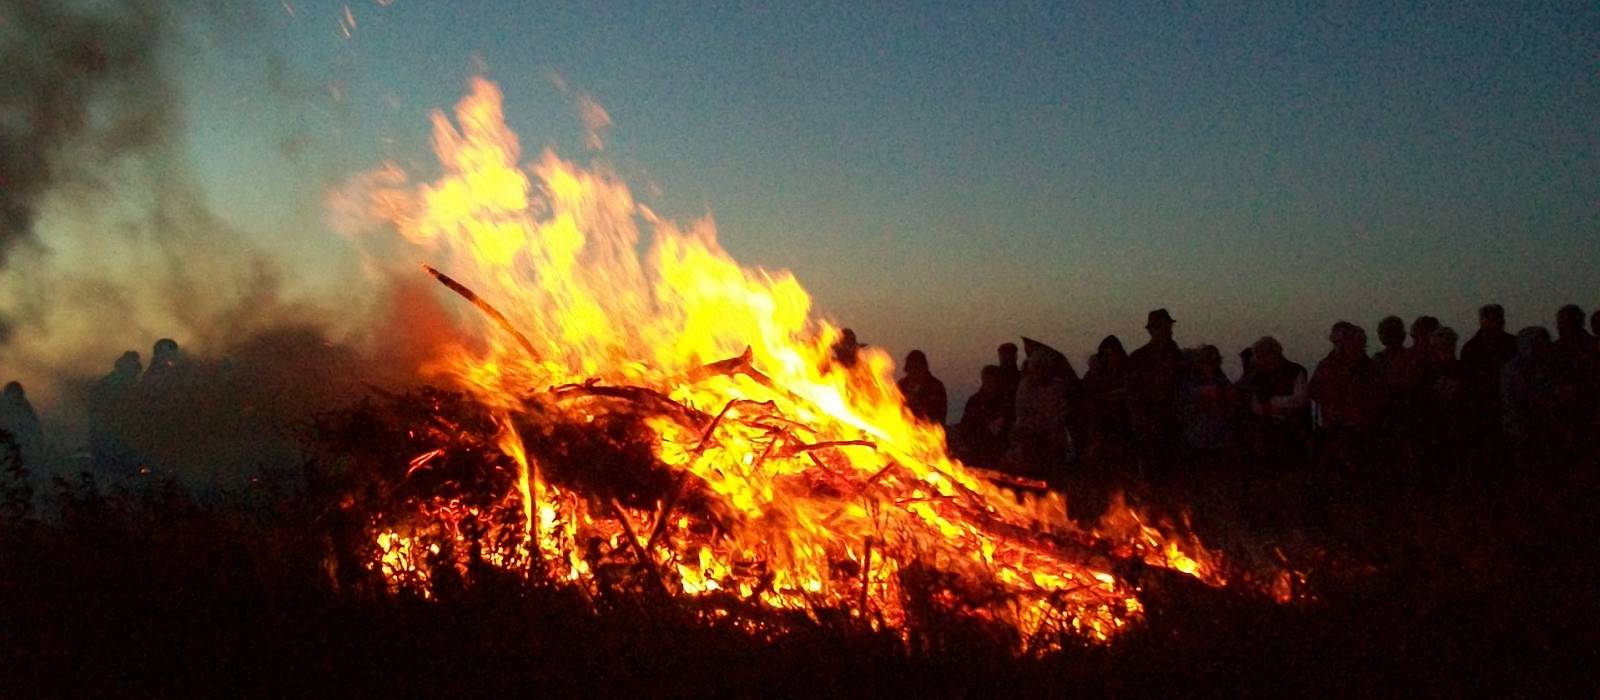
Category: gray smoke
<point>83,88</point>
<point>91,124</point>
<point>107,242</point>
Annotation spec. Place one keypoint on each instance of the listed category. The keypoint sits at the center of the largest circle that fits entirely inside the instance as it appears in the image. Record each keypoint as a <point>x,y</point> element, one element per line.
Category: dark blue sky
<point>949,177</point>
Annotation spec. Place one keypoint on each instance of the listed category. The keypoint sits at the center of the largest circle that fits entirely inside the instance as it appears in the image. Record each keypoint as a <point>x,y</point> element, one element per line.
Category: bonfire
<point>671,423</point>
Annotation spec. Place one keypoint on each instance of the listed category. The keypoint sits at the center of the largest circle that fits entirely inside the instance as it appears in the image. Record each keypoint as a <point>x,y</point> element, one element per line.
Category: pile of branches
<point>596,440</point>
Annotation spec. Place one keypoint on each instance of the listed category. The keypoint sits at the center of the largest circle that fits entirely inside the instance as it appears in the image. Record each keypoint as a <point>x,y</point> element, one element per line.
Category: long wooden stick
<point>484,306</point>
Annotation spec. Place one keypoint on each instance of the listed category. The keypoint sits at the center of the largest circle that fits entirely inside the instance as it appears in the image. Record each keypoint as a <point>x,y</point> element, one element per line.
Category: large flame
<point>816,489</point>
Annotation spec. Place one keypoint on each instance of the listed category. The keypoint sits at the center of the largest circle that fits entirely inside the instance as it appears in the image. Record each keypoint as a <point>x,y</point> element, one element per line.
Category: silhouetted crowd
<point>126,398</point>
<point>1428,404</point>
<point>215,422</point>
<point>1410,409</point>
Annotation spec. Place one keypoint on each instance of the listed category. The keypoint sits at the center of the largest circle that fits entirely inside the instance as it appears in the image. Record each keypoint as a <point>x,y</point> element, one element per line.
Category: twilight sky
<point>949,178</point>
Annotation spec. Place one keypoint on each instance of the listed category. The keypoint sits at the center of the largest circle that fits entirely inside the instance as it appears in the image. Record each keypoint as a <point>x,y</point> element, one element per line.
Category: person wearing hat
<point>847,349</point>
<point>1156,374</point>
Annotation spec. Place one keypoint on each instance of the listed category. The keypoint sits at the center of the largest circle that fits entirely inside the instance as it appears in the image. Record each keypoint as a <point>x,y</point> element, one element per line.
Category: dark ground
<point>1456,585</point>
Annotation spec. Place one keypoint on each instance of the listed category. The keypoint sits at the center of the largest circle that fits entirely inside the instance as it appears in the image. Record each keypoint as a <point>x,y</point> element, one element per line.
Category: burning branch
<point>485,307</point>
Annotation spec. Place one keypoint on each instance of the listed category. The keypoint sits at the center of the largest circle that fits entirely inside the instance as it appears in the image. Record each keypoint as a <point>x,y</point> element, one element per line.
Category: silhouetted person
<point>1491,347</point>
<point>1208,402</point>
<point>18,418</point>
<point>1393,363</point>
<point>1442,417</point>
<point>1528,395</point>
<point>1422,329</point>
<point>109,411</point>
<point>164,358</point>
<point>1348,392</point>
<point>1594,326</point>
<point>1108,366</point>
<point>1156,382</point>
<point>1483,356</point>
<point>1010,372</point>
<point>986,421</point>
<point>1578,375</point>
<point>1346,386</point>
<point>1110,401</point>
<point>1449,376</point>
<point>1279,402</point>
<point>1421,349</point>
<point>1404,374</point>
<point>124,372</point>
<point>847,349</point>
<point>1040,436</point>
<point>1570,331</point>
<point>923,392</point>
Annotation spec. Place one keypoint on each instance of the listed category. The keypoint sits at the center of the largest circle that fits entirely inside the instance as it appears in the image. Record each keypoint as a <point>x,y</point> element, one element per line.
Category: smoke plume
<point>107,244</point>
<point>82,89</point>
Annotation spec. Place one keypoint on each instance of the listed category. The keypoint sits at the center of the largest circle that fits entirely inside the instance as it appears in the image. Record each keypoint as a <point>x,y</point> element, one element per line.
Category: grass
<point>1458,585</point>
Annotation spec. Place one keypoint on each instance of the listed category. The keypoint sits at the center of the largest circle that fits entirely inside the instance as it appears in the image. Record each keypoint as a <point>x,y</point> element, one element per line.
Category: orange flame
<point>814,472</point>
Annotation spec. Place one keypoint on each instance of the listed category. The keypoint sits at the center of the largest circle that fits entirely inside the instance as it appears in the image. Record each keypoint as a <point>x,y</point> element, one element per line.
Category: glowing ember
<point>772,475</point>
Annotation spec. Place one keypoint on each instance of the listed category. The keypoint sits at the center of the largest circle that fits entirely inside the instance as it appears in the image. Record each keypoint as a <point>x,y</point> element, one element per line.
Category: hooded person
<point>1108,367</point>
<point>924,394</point>
<point>1106,388</point>
<point>1041,437</point>
<point>165,358</point>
